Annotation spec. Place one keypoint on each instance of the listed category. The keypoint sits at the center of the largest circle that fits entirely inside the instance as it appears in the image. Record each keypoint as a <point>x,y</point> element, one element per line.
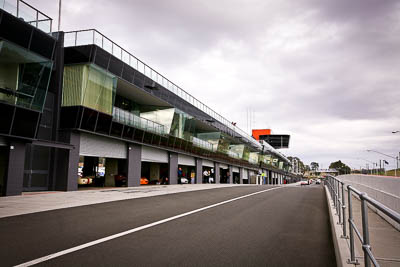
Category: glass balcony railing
<point>87,37</point>
<point>27,13</point>
<point>203,144</point>
<point>127,118</point>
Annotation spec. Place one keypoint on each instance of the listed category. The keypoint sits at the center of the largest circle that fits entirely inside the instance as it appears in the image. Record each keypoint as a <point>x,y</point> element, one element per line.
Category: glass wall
<point>24,77</point>
<point>89,86</point>
<point>178,124</point>
<point>160,116</point>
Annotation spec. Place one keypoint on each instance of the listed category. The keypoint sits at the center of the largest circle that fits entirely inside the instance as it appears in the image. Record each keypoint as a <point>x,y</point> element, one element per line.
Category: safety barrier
<point>336,189</point>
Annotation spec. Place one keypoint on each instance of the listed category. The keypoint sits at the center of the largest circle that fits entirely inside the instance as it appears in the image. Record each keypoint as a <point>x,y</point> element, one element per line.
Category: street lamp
<point>395,132</point>
<point>395,158</point>
<point>373,165</point>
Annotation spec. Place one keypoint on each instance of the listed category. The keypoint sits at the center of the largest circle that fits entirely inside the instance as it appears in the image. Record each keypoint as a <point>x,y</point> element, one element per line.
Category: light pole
<point>395,132</point>
<point>59,15</point>
<point>395,158</point>
<point>373,164</point>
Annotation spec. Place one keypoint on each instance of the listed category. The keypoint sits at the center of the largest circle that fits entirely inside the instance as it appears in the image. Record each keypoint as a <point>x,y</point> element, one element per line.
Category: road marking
<point>105,239</point>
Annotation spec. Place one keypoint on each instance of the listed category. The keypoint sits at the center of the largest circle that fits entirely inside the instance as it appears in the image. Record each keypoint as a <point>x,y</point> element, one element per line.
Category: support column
<point>15,175</point>
<point>216,173</point>
<point>133,165</point>
<point>199,171</point>
<point>241,171</point>
<point>230,176</point>
<point>67,164</point>
<point>173,168</point>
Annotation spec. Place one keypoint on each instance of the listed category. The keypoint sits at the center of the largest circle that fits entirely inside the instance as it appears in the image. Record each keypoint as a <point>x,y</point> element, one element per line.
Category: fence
<point>27,13</point>
<point>337,191</point>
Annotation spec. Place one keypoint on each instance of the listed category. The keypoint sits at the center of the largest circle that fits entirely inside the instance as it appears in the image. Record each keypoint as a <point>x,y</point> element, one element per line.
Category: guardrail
<point>336,189</point>
<point>28,13</point>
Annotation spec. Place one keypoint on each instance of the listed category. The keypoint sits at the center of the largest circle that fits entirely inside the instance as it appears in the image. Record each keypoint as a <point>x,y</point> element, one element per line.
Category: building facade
<point>77,110</point>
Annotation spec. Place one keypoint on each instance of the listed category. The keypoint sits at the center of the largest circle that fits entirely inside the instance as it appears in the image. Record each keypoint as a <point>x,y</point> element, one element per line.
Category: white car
<point>318,181</point>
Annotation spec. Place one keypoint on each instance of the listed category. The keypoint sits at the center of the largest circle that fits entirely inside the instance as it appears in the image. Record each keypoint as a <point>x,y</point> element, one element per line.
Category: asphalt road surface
<point>280,227</point>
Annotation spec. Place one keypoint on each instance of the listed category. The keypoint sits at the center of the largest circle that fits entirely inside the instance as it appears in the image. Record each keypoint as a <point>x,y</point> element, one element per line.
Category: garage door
<point>186,160</point>
<point>235,169</point>
<point>98,146</point>
<point>245,174</point>
<point>151,154</point>
<point>208,163</point>
<point>223,166</point>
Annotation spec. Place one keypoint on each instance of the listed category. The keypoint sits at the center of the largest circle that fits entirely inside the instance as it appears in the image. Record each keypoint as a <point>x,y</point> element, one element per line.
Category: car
<point>318,181</point>
<point>184,181</point>
<point>120,180</point>
<point>144,180</point>
<point>85,180</point>
<point>304,183</point>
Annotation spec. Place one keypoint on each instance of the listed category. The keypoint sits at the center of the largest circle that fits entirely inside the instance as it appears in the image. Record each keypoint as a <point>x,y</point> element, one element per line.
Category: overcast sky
<point>325,72</point>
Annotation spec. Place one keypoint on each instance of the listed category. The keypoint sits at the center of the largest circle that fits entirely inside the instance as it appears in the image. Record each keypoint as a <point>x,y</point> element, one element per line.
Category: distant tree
<point>307,168</point>
<point>314,166</point>
<point>340,167</point>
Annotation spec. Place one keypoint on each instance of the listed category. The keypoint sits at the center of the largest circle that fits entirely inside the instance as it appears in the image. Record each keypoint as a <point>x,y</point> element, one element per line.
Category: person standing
<point>205,176</point>
<point>180,173</point>
<point>192,176</point>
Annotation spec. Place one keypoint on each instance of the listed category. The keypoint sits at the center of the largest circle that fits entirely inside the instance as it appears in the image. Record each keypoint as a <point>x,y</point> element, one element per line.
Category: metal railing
<point>28,13</point>
<point>92,36</point>
<point>336,189</point>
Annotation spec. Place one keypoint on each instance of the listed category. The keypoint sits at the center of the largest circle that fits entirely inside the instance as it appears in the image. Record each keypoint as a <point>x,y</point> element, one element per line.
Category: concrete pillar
<point>216,173</point>
<point>230,176</point>
<point>15,174</point>
<point>241,171</point>
<point>173,168</point>
<point>67,164</point>
<point>134,165</point>
<point>199,171</point>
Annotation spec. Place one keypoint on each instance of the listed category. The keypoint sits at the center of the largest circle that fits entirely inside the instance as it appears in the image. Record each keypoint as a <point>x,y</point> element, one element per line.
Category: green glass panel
<point>89,86</point>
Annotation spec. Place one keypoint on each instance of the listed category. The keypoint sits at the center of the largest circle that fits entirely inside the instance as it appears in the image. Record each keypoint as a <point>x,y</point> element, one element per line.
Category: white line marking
<point>104,239</point>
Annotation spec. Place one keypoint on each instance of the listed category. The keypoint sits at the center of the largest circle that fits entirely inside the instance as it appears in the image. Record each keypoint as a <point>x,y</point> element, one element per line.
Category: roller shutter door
<point>235,169</point>
<point>208,163</point>
<point>223,166</point>
<point>245,174</point>
<point>150,154</point>
<point>98,146</point>
<point>186,160</point>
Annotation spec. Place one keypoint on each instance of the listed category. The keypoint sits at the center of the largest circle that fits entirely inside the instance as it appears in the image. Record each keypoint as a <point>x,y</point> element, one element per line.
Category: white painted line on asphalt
<point>105,239</point>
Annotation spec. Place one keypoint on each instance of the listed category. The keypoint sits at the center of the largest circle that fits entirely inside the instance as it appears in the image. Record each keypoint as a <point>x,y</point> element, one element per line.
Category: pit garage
<point>102,162</point>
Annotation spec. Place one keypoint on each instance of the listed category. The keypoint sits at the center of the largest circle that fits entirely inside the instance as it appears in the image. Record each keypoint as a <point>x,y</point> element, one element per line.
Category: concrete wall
<point>384,189</point>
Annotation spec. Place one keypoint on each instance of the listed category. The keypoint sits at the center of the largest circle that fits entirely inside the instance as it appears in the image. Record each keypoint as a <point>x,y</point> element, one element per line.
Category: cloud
<point>324,71</point>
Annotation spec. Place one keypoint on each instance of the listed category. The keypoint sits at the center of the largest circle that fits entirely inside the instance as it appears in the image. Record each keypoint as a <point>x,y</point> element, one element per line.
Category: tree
<point>314,166</point>
<point>340,167</point>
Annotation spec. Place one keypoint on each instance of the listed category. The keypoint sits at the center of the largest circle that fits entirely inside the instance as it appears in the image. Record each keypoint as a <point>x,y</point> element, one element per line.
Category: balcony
<point>127,118</point>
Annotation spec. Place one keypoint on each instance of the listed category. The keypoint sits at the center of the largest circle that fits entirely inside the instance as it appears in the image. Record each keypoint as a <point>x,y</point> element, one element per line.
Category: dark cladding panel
<point>89,119</point>
<point>77,54</point>
<point>138,79</point>
<point>128,73</point>
<point>42,44</point>
<point>25,122</point>
<point>7,112</point>
<point>70,116</point>
<point>15,30</point>
<point>103,123</point>
<point>102,58</point>
<point>115,66</point>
